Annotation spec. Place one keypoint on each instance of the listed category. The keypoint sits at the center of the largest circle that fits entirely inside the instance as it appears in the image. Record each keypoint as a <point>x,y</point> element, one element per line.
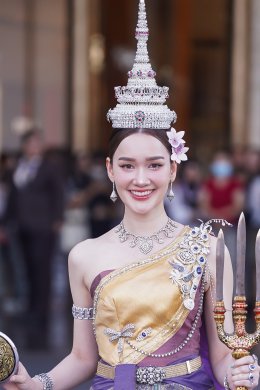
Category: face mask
<point>221,169</point>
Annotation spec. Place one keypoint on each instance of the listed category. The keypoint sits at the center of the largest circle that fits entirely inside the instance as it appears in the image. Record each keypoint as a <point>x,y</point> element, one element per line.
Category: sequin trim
<point>190,261</point>
<point>143,334</point>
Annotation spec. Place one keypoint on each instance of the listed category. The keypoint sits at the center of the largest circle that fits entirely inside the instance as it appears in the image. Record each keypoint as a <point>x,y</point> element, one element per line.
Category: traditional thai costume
<point>148,317</point>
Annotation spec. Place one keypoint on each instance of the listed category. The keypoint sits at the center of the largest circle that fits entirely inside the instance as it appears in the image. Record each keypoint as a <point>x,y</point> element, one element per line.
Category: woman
<point>147,282</point>
<point>140,166</point>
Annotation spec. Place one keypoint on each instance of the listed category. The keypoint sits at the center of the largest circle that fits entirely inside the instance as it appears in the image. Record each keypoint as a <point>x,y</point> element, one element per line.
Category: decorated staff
<point>240,342</point>
<point>9,358</point>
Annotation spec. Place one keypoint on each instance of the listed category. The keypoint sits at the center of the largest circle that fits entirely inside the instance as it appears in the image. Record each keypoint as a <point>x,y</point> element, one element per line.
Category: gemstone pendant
<point>146,246</point>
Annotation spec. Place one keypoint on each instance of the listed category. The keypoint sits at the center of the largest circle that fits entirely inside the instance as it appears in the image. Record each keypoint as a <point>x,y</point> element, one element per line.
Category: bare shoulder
<point>88,258</point>
<point>85,250</point>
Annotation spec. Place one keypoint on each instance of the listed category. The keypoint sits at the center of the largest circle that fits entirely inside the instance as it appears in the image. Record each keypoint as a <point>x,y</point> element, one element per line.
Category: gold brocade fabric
<point>140,304</point>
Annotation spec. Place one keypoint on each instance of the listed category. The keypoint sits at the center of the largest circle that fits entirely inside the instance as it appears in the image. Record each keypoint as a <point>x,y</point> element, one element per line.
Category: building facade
<point>60,60</point>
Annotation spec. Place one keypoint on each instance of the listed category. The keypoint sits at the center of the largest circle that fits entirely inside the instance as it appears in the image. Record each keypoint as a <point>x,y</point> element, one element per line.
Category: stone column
<point>254,76</point>
<point>240,66</point>
<point>80,78</point>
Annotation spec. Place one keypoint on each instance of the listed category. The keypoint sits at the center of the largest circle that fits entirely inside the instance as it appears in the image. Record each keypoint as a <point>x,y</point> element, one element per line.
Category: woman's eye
<point>127,166</point>
<point>155,166</point>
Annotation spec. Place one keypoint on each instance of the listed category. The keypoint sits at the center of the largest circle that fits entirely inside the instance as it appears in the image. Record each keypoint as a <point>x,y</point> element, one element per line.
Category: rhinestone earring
<point>170,194</point>
<point>113,195</point>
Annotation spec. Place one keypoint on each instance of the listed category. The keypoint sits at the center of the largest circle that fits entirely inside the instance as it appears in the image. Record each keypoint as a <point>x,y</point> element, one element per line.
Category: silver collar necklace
<point>145,243</point>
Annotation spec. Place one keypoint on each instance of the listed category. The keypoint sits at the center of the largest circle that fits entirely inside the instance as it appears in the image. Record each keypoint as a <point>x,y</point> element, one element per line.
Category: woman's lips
<point>141,195</point>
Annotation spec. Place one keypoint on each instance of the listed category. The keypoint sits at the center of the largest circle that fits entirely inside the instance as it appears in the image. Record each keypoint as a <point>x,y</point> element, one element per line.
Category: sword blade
<point>220,254</point>
<point>241,256</point>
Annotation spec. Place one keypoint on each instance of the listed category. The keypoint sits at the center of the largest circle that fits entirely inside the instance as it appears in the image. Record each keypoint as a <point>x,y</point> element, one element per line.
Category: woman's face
<point>141,170</point>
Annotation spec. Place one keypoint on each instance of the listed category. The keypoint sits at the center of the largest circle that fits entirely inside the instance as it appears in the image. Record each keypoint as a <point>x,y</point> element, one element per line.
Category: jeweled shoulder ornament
<point>9,358</point>
<point>141,102</point>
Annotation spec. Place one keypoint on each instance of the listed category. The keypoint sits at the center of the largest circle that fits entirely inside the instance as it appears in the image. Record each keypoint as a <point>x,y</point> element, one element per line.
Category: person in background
<point>252,207</point>
<point>102,213</point>
<point>12,271</point>
<point>186,190</point>
<point>252,164</point>
<point>34,211</point>
<point>222,196</point>
<point>76,225</point>
<point>3,240</point>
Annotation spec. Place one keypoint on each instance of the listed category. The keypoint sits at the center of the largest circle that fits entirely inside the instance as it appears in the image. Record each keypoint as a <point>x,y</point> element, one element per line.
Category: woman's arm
<point>81,363</point>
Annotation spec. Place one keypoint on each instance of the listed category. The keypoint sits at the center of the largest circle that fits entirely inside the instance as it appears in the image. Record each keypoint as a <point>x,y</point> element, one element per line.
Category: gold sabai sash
<point>144,304</point>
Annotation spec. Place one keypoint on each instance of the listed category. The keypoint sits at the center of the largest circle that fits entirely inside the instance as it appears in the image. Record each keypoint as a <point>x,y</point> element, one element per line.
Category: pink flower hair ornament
<point>177,143</point>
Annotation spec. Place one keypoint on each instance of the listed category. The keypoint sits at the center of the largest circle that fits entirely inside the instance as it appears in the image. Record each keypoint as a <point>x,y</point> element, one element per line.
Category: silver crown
<point>141,102</point>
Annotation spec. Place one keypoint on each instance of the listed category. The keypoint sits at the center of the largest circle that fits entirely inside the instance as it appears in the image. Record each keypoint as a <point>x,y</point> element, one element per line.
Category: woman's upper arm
<point>84,343</point>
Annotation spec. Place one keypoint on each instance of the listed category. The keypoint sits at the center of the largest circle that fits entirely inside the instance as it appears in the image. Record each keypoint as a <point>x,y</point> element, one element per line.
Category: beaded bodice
<point>152,309</point>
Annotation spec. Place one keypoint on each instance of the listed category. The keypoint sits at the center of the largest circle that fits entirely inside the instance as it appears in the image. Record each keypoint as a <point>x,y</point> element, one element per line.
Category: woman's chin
<point>142,208</point>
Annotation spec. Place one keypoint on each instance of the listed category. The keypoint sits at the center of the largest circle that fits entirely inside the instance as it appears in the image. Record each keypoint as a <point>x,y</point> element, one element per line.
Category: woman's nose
<point>141,178</point>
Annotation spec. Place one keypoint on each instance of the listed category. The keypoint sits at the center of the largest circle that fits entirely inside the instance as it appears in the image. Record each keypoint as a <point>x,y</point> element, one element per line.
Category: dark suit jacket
<point>39,204</point>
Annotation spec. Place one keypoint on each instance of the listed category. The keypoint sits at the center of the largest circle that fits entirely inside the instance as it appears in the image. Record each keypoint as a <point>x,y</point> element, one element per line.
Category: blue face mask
<point>221,169</point>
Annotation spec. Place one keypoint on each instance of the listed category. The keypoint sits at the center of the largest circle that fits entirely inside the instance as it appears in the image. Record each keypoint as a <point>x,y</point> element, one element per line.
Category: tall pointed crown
<point>141,102</point>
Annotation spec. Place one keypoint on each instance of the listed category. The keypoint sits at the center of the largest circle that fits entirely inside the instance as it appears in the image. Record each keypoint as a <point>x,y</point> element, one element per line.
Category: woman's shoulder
<point>90,248</point>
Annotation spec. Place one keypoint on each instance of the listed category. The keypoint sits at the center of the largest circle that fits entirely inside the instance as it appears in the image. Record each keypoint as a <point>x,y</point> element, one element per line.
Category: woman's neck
<point>144,224</point>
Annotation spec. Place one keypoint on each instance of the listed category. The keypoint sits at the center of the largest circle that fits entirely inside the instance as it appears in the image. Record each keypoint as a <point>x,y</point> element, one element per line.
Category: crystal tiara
<point>141,104</point>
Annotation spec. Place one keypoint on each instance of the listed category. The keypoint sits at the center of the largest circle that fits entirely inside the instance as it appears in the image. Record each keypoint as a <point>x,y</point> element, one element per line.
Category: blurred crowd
<point>50,200</point>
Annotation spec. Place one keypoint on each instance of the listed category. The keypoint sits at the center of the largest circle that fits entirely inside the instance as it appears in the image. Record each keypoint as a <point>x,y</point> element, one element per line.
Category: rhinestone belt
<point>151,375</point>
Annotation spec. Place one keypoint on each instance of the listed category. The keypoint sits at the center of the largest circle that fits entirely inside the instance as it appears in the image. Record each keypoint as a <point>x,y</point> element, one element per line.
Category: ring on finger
<point>251,367</point>
<point>251,378</point>
<point>255,358</point>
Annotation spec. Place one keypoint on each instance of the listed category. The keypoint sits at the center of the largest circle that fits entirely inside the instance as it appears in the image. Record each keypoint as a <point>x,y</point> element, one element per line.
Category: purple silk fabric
<point>204,353</point>
<point>125,379</point>
<point>202,379</point>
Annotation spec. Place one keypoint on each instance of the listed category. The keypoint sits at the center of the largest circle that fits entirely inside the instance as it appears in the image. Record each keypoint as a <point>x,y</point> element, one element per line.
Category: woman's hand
<point>22,381</point>
<point>244,372</point>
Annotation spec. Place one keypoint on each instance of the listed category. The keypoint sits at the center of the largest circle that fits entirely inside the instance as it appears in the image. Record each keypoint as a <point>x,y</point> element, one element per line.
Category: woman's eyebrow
<point>126,159</point>
<point>155,158</point>
<point>147,159</point>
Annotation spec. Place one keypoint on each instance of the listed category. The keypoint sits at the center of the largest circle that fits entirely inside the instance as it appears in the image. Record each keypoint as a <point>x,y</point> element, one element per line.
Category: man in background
<point>35,210</point>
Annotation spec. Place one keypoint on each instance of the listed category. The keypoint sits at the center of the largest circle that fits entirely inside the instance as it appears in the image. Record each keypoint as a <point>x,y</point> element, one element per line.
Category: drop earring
<point>113,195</point>
<point>170,194</point>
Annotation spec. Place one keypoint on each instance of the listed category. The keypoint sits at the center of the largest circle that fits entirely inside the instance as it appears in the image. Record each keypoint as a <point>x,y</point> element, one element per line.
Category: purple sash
<point>125,378</point>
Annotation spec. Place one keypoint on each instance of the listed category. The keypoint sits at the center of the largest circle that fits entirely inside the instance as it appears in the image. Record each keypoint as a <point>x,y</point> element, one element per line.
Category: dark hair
<point>120,134</point>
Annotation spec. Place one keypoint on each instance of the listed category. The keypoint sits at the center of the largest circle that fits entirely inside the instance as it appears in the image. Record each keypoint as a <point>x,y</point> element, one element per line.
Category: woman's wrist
<point>44,382</point>
<point>226,384</point>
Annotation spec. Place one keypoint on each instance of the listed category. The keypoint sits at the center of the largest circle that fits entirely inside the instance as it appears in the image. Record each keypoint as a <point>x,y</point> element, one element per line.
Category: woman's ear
<point>109,167</point>
<point>173,170</point>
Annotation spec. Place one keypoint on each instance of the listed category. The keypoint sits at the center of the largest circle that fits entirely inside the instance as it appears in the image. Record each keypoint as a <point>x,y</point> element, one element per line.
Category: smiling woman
<point>141,169</point>
<point>146,285</point>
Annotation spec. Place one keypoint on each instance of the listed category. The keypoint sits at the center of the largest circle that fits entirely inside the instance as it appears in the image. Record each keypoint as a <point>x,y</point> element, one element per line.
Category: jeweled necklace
<point>145,243</point>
